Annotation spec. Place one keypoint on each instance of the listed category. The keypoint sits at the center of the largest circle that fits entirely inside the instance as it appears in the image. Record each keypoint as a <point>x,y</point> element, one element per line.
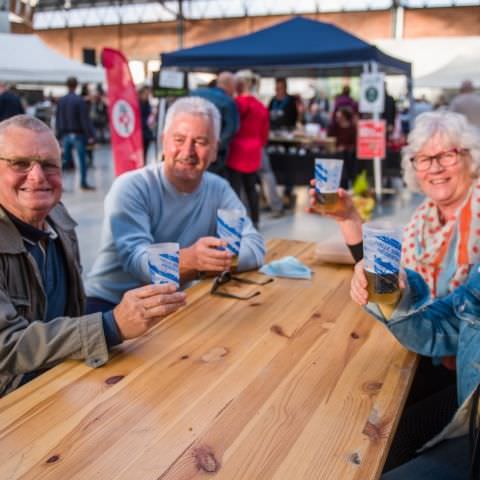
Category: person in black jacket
<point>284,116</point>
<point>282,107</point>
<point>87,98</point>
<point>389,112</point>
<point>10,104</point>
<point>75,129</point>
<point>145,112</point>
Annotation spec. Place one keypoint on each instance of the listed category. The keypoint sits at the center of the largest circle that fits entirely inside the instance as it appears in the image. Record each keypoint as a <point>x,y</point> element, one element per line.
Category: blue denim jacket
<point>445,326</point>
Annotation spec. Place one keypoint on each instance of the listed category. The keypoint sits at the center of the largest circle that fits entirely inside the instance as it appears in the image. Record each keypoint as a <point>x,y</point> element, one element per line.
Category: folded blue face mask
<point>288,267</point>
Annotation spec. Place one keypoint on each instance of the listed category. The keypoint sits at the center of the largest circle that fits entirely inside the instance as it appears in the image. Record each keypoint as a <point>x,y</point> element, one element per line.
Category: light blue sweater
<point>143,207</point>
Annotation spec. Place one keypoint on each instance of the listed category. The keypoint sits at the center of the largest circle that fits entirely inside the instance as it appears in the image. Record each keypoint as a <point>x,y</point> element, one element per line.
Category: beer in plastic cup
<point>229,228</point>
<point>382,248</point>
<point>163,263</point>
<point>328,173</point>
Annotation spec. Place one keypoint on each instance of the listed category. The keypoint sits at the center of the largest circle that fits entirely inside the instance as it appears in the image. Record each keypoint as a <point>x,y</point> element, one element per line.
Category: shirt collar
<point>30,233</point>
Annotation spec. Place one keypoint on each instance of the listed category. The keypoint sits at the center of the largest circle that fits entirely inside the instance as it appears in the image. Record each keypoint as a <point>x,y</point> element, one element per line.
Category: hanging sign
<point>372,93</point>
<point>371,139</point>
<point>169,83</point>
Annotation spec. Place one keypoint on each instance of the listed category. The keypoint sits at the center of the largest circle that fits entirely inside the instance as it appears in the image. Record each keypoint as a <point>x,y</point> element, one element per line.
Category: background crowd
<point>80,120</point>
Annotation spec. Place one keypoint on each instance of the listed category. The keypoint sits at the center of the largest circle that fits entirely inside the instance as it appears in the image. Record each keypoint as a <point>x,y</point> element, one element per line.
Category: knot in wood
<point>114,379</point>
<point>205,460</point>
<point>278,330</point>
<point>355,458</point>
<point>53,458</point>
<point>372,387</point>
<point>376,431</point>
<point>215,354</point>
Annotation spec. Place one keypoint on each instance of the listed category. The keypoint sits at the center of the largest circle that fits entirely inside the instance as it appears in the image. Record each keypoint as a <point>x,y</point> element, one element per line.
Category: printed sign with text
<point>371,140</point>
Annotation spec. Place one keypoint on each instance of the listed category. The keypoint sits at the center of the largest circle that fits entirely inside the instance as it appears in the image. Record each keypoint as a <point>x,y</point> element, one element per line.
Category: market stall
<point>299,47</point>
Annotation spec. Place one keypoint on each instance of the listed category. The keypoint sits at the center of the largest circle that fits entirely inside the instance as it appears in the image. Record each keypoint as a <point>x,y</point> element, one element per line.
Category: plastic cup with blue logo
<point>230,224</point>
<point>163,263</point>
<point>382,249</point>
<point>328,173</point>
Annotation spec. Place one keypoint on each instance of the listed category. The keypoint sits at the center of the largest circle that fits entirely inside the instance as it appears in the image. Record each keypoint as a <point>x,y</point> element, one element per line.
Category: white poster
<point>372,93</point>
<point>171,79</point>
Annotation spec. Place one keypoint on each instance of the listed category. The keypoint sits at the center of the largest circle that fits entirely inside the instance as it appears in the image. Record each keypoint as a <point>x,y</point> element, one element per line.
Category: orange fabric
<point>464,232</point>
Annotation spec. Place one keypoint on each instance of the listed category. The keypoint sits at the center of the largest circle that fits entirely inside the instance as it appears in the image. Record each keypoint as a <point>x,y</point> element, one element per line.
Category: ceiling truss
<point>82,13</point>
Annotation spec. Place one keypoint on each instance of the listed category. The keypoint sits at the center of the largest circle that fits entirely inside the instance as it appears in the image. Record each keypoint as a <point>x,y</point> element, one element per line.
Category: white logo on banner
<point>123,118</point>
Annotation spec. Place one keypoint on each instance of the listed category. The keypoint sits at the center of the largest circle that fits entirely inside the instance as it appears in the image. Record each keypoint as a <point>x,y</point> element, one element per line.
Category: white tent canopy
<point>428,54</point>
<point>463,67</point>
<point>26,59</point>
<point>442,62</point>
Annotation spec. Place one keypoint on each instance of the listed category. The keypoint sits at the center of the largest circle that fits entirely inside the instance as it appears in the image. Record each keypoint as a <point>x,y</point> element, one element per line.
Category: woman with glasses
<point>442,161</point>
<point>441,241</point>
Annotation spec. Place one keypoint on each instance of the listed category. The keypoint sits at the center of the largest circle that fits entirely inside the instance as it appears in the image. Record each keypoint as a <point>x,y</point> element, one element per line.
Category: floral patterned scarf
<point>443,253</point>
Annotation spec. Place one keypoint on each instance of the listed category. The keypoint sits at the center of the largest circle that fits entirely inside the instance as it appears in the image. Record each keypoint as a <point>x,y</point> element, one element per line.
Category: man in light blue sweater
<point>175,201</point>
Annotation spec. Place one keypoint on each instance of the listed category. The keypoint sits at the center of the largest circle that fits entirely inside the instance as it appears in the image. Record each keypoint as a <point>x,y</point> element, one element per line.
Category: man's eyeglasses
<point>447,158</point>
<point>25,166</point>
<point>226,277</point>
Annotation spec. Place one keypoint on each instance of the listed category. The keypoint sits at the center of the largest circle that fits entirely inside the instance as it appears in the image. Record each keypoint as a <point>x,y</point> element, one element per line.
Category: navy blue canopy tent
<point>299,47</point>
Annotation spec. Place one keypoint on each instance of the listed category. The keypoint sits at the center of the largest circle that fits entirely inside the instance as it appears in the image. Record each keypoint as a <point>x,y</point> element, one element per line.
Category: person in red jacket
<point>245,151</point>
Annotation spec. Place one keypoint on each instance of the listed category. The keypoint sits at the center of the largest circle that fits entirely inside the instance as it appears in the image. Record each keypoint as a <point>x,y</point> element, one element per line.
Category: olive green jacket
<point>27,343</point>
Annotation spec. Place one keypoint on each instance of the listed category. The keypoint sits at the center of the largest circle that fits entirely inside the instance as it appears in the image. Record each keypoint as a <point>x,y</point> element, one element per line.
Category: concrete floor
<point>87,209</point>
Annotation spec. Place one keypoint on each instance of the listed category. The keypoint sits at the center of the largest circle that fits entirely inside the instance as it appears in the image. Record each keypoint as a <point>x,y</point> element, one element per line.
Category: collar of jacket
<point>11,241</point>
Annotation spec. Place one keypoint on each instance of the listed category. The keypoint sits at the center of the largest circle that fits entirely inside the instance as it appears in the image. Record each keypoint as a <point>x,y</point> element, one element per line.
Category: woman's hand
<point>346,210</point>
<point>347,217</point>
<point>358,285</point>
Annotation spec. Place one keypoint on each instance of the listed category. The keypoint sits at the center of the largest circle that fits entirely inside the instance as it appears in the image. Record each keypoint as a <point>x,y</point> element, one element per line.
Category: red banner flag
<point>124,112</point>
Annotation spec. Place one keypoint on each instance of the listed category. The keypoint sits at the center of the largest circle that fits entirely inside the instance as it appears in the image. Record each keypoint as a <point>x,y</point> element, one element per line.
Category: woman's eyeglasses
<point>226,277</point>
<point>447,158</point>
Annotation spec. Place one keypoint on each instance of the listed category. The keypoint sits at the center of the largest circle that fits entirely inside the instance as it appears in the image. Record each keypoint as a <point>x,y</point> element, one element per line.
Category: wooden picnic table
<point>296,383</point>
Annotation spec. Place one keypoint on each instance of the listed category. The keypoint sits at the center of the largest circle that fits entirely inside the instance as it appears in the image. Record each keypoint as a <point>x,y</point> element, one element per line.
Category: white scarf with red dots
<point>442,253</point>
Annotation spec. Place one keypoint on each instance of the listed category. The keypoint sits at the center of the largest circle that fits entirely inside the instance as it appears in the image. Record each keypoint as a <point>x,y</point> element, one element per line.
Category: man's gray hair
<point>195,106</point>
<point>456,132</point>
<point>24,121</point>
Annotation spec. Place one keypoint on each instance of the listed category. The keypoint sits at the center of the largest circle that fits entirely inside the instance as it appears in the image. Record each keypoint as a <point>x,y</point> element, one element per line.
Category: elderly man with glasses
<point>42,320</point>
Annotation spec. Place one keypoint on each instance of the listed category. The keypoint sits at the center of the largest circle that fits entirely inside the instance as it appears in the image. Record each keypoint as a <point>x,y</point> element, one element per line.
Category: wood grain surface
<point>296,383</point>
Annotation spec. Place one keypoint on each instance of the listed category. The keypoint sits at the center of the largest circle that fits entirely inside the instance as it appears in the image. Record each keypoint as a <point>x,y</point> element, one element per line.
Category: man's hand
<point>204,256</point>
<point>141,308</point>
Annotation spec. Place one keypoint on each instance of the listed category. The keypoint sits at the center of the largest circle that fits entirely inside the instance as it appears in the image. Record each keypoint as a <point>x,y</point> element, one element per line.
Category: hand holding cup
<point>230,224</point>
<point>359,283</point>
<point>382,248</point>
